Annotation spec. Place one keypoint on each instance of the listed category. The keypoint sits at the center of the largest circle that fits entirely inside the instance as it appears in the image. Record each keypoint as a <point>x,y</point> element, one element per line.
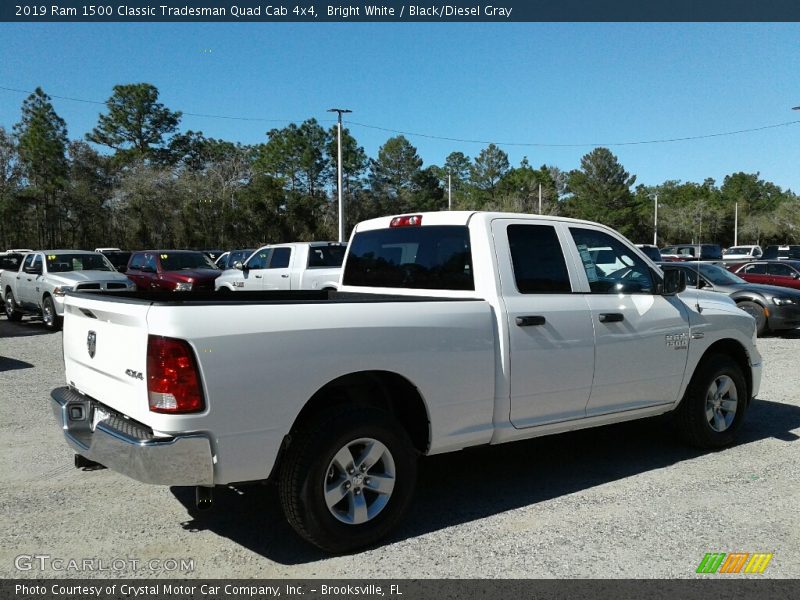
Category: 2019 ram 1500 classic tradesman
<point>449,330</point>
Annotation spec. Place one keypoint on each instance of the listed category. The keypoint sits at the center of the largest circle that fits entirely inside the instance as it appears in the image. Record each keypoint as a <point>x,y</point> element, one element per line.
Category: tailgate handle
<point>611,317</point>
<point>530,320</point>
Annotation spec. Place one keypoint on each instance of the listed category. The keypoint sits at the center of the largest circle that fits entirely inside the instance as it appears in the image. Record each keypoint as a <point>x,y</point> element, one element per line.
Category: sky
<point>546,91</point>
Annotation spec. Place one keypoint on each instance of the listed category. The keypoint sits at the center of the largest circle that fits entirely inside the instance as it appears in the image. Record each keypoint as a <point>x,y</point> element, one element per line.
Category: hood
<point>758,288</point>
<point>73,277</point>
<point>191,275</point>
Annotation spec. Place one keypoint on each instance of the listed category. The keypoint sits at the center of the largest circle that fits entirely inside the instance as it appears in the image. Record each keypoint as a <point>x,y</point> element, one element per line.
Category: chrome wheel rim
<point>359,481</point>
<point>9,304</point>
<point>721,403</point>
<point>47,314</point>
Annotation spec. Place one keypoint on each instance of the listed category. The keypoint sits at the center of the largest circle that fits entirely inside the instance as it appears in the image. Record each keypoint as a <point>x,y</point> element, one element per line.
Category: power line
<point>453,139</point>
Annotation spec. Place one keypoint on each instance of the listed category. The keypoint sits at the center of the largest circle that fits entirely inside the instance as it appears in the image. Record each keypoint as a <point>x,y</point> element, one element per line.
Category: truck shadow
<point>12,364</point>
<point>24,328</point>
<point>476,483</point>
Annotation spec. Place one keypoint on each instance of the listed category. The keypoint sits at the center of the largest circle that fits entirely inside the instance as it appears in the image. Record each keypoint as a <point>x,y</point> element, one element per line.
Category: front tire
<point>12,310</point>
<point>49,316</point>
<point>755,310</point>
<point>347,478</point>
<point>714,406</point>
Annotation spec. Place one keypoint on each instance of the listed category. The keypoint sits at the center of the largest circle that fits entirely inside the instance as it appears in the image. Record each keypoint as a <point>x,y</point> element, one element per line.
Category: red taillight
<point>407,221</point>
<point>173,383</point>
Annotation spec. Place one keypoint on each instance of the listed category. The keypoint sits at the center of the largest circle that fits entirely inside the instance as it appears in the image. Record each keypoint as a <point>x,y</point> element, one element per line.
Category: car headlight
<point>783,301</point>
<point>184,287</point>
<point>61,290</point>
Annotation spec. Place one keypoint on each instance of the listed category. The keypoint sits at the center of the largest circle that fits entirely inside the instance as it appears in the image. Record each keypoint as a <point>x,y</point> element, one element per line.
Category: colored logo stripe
<point>758,563</point>
<point>734,562</point>
<point>711,562</point>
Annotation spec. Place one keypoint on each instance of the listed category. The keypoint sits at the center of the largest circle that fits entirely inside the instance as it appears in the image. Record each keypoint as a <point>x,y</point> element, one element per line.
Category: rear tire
<point>714,406</point>
<point>12,310</point>
<point>347,478</point>
<point>49,316</point>
<point>755,310</point>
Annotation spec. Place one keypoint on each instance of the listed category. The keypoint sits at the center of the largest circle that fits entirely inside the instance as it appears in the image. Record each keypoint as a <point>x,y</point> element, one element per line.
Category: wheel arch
<point>735,350</point>
<point>385,390</point>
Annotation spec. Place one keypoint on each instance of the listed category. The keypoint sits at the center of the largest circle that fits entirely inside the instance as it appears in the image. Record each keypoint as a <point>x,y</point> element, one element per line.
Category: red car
<point>784,273</point>
<point>172,270</point>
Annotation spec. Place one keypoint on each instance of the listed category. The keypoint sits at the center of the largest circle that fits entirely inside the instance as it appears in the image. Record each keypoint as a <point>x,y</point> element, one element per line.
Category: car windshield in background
<point>781,252</point>
<point>183,261</point>
<point>737,250</point>
<point>326,256</point>
<point>432,258</point>
<point>118,258</point>
<point>62,263</point>
<point>719,276</point>
<point>652,253</point>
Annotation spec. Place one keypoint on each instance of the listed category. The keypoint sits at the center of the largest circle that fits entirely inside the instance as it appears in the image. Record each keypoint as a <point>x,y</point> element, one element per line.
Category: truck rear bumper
<point>104,436</point>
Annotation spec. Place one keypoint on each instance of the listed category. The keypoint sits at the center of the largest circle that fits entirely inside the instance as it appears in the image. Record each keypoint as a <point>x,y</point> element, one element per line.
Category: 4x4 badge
<point>91,343</point>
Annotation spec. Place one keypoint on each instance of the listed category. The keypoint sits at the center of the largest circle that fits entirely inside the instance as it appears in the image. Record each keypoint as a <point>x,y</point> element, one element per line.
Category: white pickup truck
<point>294,266</point>
<point>449,330</point>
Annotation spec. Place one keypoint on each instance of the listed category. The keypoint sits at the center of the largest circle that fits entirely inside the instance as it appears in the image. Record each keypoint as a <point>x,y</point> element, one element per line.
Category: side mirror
<point>238,265</point>
<point>674,282</point>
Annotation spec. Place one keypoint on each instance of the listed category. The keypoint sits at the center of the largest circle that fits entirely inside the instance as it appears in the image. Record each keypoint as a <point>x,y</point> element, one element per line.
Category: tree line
<point>137,180</point>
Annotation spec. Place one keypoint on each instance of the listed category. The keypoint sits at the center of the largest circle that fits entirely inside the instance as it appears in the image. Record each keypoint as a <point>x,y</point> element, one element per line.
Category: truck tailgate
<point>105,351</point>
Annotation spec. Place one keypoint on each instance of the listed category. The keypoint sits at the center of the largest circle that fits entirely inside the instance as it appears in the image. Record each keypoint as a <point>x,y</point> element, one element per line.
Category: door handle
<point>611,317</point>
<point>530,320</point>
<point>257,276</point>
<point>284,276</point>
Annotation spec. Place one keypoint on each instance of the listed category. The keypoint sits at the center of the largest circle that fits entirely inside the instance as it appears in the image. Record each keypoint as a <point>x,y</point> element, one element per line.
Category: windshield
<point>184,261</point>
<point>719,276</point>
<point>62,263</point>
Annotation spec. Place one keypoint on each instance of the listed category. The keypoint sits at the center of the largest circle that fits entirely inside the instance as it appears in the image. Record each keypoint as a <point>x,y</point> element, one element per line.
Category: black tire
<point>755,310</point>
<point>50,318</point>
<point>309,465</point>
<point>705,426</point>
<point>12,310</point>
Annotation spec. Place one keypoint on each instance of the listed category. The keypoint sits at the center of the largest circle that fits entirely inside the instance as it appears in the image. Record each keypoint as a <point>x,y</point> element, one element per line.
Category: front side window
<point>611,267</point>
<point>537,259</point>
<point>757,269</point>
<point>436,257</point>
<point>259,260</point>
<point>781,270</point>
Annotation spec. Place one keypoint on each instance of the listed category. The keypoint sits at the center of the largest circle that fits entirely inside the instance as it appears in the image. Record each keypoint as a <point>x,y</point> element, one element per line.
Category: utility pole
<point>540,198</point>
<point>339,168</point>
<point>736,226</point>
<point>449,191</point>
<point>655,221</point>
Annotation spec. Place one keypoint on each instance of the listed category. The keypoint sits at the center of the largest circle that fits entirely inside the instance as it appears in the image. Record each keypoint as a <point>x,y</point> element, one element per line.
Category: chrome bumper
<point>129,447</point>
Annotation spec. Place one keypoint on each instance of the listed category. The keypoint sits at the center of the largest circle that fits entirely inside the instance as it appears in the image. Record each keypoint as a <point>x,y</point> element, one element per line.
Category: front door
<point>276,277</point>
<point>641,337</point>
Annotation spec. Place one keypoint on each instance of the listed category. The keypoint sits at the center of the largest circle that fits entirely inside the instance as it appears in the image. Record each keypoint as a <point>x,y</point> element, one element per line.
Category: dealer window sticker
<point>588,263</point>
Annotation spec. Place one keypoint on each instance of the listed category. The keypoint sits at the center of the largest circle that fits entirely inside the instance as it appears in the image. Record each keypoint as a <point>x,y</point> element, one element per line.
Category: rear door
<point>754,273</point>
<point>277,275</point>
<point>783,275</point>
<point>551,340</point>
<point>641,337</point>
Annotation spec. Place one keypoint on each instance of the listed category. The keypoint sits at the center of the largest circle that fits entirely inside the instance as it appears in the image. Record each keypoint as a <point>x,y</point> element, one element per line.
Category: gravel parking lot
<point>621,501</point>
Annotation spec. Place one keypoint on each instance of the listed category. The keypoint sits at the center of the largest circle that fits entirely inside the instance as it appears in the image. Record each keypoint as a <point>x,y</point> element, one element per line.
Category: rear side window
<point>539,266</point>
<point>280,258</point>
<point>326,256</point>
<point>711,252</point>
<point>436,257</point>
<point>781,270</point>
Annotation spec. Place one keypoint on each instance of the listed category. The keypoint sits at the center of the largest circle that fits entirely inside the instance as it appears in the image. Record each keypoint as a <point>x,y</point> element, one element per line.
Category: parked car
<point>742,253</point>
<point>39,285</point>
<point>681,252</point>
<point>784,273</point>
<point>295,266</point>
<point>172,270</point>
<point>450,330</point>
<point>10,261</point>
<point>781,253</point>
<point>774,308</point>
<point>118,258</point>
<point>228,259</point>
<point>652,252</point>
